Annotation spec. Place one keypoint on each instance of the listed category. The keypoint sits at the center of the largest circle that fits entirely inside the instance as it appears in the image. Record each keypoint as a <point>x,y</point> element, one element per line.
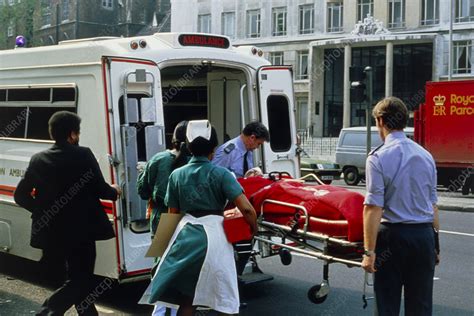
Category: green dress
<point>202,189</point>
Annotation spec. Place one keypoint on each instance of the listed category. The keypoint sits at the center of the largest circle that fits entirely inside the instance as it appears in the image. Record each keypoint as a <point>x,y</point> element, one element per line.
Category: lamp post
<point>368,109</point>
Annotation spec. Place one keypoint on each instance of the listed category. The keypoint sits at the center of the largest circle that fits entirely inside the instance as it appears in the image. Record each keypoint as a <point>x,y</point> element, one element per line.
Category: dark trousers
<point>405,257</point>
<point>79,260</point>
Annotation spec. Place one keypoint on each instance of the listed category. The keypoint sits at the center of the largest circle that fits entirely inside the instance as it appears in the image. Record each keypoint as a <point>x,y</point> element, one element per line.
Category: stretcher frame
<point>313,245</point>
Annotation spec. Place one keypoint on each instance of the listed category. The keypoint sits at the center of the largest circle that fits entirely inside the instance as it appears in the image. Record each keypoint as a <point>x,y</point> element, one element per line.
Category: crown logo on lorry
<point>439,100</point>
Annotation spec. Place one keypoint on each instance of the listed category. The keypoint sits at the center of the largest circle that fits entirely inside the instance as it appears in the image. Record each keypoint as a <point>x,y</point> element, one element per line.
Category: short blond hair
<point>393,111</point>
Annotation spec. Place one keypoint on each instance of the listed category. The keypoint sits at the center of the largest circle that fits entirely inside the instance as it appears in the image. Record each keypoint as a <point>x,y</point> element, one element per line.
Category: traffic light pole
<point>368,111</point>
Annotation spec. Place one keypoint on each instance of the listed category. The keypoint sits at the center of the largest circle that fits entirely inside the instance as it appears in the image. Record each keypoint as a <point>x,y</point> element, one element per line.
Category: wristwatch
<point>369,253</point>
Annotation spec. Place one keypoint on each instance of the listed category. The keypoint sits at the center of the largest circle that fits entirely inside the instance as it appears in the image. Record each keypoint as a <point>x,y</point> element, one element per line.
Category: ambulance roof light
<point>20,41</point>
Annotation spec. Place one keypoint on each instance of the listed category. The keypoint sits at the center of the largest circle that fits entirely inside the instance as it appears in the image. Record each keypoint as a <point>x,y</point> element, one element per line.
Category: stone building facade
<point>319,39</point>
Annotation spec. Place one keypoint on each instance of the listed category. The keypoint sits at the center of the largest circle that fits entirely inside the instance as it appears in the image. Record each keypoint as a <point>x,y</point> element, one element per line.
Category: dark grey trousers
<point>405,258</point>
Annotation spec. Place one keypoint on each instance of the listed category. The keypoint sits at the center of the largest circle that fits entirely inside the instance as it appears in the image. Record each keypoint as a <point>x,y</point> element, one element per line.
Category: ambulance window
<point>279,123</point>
<point>41,94</point>
<point>13,121</point>
<point>3,95</point>
<point>38,121</point>
<point>64,94</point>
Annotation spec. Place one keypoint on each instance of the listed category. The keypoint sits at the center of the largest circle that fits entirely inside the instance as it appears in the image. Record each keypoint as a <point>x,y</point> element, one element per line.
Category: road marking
<point>104,310</point>
<point>456,233</point>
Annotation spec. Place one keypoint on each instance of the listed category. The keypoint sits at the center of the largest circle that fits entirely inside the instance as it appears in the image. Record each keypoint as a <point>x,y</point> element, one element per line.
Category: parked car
<point>351,152</point>
<point>326,171</point>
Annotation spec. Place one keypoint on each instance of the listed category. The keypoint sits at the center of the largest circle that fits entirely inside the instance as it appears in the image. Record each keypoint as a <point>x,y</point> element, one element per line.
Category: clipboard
<point>164,232</point>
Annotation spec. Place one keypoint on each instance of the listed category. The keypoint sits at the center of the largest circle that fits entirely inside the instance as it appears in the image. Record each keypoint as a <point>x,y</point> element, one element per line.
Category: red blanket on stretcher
<point>332,210</point>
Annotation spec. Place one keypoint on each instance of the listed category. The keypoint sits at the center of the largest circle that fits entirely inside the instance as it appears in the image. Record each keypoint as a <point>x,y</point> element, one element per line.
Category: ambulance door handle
<point>283,156</point>
<point>113,160</point>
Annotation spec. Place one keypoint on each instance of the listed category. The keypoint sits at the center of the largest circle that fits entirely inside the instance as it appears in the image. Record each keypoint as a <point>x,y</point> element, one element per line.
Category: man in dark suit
<point>61,188</point>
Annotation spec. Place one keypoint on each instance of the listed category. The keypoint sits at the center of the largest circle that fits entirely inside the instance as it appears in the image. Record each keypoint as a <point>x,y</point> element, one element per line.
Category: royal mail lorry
<point>444,125</point>
<point>130,93</point>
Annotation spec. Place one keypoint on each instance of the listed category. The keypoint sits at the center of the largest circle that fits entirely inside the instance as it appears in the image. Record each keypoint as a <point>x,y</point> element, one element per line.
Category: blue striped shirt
<point>401,178</point>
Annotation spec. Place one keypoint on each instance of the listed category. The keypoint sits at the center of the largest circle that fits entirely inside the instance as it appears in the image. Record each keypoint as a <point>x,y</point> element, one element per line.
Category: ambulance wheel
<point>285,257</point>
<point>318,293</point>
<point>351,176</point>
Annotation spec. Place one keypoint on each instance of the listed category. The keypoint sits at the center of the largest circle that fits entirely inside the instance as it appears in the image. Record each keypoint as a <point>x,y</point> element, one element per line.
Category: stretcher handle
<point>366,298</point>
<point>312,175</point>
<point>295,206</point>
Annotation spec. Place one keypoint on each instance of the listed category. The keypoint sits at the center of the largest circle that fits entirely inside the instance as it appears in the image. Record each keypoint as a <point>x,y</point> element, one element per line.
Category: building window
<point>301,65</point>
<point>464,10</point>
<point>65,10</point>
<point>10,31</point>
<point>279,21</point>
<point>204,23</point>
<point>306,19</point>
<point>430,12</point>
<point>108,4</point>
<point>46,12</point>
<point>253,23</point>
<point>228,24</point>
<point>276,58</point>
<point>301,113</point>
<point>396,13</point>
<point>364,8</point>
<point>462,52</point>
<point>334,17</point>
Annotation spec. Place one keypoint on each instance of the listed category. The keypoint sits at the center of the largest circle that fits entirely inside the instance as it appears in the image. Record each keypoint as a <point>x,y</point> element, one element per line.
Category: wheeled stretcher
<point>320,221</point>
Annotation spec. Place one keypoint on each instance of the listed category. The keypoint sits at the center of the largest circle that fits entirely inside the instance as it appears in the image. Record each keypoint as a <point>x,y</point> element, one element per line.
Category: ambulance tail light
<point>134,45</point>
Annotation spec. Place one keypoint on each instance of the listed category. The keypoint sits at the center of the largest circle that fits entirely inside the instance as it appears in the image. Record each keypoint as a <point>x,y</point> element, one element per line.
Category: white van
<point>351,151</point>
<point>130,93</point>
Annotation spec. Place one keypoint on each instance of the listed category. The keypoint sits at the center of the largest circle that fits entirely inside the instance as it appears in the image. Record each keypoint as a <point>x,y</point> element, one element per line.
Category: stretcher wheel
<point>285,257</point>
<point>318,293</point>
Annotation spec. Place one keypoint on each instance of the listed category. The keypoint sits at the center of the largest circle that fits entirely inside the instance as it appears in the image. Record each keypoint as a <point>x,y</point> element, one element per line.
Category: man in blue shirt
<point>236,154</point>
<point>400,216</point>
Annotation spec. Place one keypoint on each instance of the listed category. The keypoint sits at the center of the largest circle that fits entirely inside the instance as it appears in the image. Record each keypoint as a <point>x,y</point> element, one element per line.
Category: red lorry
<point>444,125</point>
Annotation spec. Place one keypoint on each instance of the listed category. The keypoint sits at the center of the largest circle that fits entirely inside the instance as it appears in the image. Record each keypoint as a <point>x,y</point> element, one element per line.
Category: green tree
<point>20,16</point>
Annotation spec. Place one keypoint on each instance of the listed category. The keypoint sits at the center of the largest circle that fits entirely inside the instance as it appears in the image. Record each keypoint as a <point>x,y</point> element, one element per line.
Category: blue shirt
<point>201,186</point>
<point>401,178</point>
<point>230,155</point>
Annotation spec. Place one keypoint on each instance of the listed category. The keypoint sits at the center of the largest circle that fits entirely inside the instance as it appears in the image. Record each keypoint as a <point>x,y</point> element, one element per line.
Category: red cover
<point>237,229</point>
<point>327,206</point>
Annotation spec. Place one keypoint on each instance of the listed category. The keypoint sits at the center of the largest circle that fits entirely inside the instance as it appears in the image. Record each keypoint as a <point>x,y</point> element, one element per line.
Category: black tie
<point>246,164</point>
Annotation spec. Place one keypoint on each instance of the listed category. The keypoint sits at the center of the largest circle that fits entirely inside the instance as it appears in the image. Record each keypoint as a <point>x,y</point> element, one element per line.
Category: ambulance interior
<point>205,92</point>
<point>191,92</point>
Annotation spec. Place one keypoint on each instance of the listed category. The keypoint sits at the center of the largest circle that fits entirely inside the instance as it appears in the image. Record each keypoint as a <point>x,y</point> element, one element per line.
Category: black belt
<point>201,213</point>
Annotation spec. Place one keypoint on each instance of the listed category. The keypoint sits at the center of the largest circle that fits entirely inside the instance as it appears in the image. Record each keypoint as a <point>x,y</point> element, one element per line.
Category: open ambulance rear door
<point>277,112</point>
<point>137,126</point>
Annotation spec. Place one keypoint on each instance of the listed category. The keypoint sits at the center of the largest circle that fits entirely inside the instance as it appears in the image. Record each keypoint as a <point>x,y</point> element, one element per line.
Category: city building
<point>47,22</point>
<point>406,42</point>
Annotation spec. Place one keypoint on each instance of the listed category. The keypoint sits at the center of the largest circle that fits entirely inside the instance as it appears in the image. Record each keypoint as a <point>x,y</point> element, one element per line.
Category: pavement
<point>447,200</point>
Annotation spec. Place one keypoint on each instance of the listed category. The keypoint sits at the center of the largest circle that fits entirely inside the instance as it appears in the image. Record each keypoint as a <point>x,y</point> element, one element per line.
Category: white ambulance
<point>130,93</point>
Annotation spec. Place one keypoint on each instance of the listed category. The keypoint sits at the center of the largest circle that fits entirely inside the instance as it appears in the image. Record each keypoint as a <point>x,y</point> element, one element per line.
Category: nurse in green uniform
<point>198,267</point>
<point>153,180</point>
